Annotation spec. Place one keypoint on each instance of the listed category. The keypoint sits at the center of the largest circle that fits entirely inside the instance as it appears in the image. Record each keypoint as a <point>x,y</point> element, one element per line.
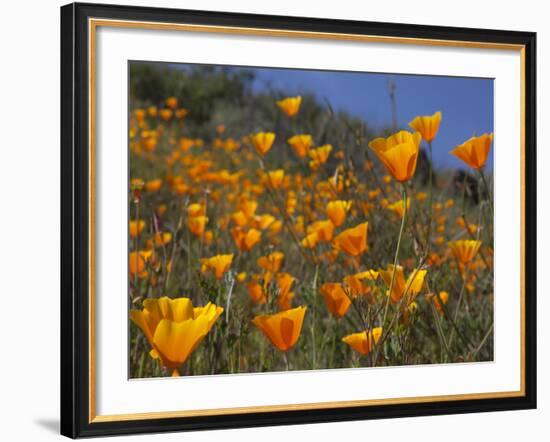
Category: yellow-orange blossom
<point>363,342</point>
<point>465,250</point>
<point>174,328</point>
<point>427,125</point>
<point>353,241</point>
<point>336,299</point>
<point>475,151</point>
<point>290,105</point>
<point>399,153</point>
<point>283,328</point>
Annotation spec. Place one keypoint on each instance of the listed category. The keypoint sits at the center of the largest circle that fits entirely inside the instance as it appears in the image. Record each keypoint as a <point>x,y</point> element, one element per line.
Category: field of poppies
<point>269,232</point>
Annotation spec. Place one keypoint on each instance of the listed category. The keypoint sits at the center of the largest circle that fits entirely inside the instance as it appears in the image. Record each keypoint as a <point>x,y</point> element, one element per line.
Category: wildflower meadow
<point>271,231</point>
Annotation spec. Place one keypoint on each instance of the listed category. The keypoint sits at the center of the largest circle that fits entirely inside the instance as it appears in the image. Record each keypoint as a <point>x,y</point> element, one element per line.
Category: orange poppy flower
<point>284,282</point>
<point>161,209</point>
<point>137,262</point>
<point>412,286</point>
<point>301,144</point>
<point>186,143</point>
<point>290,105</point>
<point>319,156</point>
<point>241,277</point>
<point>181,113</point>
<point>197,224</point>
<point>195,209</point>
<point>449,203</point>
<point>220,264</point>
<point>166,114</point>
<point>230,145</point>
<point>171,102</point>
<point>399,153</point>
<point>248,207</point>
<point>137,184</point>
<point>364,342</point>
<point>245,240</point>
<point>149,140</point>
<point>427,125</point>
<point>283,328</point>
<point>153,185</point>
<point>310,241</point>
<point>274,178</point>
<point>140,115</point>
<point>337,211</point>
<point>162,238</point>
<point>136,227</point>
<point>263,141</point>
<point>291,202</point>
<point>372,194</point>
<point>471,227</point>
<point>444,298</point>
<point>264,221</point>
<point>208,237</point>
<point>399,208</point>
<point>355,284</point>
<point>275,228</point>
<point>239,218</point>
<point>271,262</point>
<point>475,151</point>
<point>324,230</point>
<point>421,196</point>
<point>256,292</point>
<point>174,328</point>
<point>465,250</point>
<point>353,241</point>
<point>336,299</point>
<point>181,188</point>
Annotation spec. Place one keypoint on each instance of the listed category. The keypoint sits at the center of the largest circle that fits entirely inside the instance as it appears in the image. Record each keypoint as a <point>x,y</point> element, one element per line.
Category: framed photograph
<point>276,220</point>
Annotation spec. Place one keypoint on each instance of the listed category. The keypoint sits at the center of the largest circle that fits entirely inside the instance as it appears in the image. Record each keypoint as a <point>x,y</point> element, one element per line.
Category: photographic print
<point>288,219</point>
<point>320,220</point>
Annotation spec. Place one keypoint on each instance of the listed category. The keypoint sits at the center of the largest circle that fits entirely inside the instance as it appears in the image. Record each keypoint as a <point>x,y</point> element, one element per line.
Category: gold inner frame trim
<point>93,24</point>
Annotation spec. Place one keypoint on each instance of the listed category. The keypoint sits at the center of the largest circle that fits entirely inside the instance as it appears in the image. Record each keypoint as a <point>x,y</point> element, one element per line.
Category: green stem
<point>142,364</point>
<point>430,210</point>
<point>439,329</point>
<point>395,261</point>
<point>458,304</point>
<point>137,248</point>
<point>482,343</point>
<point>489,197</point>
<point>287,365</point>
<point>386,330</point>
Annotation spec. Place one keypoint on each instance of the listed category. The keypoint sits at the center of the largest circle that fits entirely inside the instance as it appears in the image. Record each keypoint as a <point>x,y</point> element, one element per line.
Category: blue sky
<point>466,103</point>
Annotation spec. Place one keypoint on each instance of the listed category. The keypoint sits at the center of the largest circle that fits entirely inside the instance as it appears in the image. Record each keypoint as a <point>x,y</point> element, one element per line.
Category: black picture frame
<point>75,194</point>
